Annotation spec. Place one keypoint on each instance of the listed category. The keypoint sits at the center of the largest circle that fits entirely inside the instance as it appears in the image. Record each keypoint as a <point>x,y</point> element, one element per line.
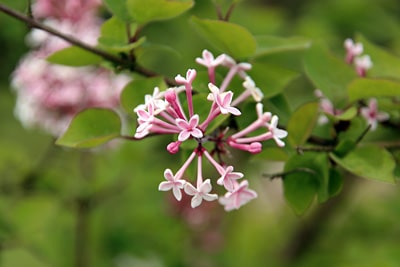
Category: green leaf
<point>157,58</point>
<point>271,79</point>
<point>335,182</point>
<point>347,115</point>
<point>366,88</point>
<point>271,44</point>
<point>370,162</point>
<point>133,93</point>
<point>344,147</point>
<point>229,38</point>
<point>74,56</point>
<point>301,185</point>
<point>301,123</point>
<point>329,74</point>
<point>385,65</point>
<point>153,10</point>
<point>308,176</point>
<point>119,9</point>
<point>114,36</point>
<point>90,128</point>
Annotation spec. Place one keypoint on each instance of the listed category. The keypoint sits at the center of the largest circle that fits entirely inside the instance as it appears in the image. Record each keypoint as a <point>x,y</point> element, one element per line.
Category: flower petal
<point>165,186</point>
<point>190,189</point>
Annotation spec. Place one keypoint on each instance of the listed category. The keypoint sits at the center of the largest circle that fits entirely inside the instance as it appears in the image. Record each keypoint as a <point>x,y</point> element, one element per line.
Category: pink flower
<point>208,59</point>
<point>362,64</point>
<point>238,197</point>
<point>200,193</point>
<point>372,114</point>
<point>228,178</point>
<point>190,76</point>
<point>277,134</point>
<point>173,182</point>
<point>326,106</point>
<point>223,100</point>
<point>189,128</point>
<point>155,100</point>
<point>352,49</point>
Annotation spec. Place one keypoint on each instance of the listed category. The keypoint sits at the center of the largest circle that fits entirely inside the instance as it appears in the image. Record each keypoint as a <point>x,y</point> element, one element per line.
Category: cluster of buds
<point>354,51</point>
<point>163,113</point>
<point>362,63</point>
<point>49,95</point>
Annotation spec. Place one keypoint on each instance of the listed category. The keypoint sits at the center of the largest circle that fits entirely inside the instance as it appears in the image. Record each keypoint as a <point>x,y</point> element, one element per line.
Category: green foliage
<point>301,123</point>
<point>114,36</point>
<point>307,176</point>
<point>301,185</point>
<point>157,57</point>
<point>119,9</point>
<point>75,57</point>
<point>274,77</point>
<point>328,73</point>
<point>287,69</point>
<point>370,162</point>
<point>385,64</point>
<point>227,37</point>
<point>90,128</point>
<point>147,11</point>
<point>366,88</point>
<point>271,44</point>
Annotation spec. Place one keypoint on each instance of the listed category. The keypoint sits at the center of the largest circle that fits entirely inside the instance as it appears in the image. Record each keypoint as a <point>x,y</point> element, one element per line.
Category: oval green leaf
<point>300,184</point>
<point>371,162</point>
<point>90,128</point>
<point>301,123</point>
<point>229,38</point>
<point>152,10</point>
<point>366,88</point>
<point>271,44</point>
<point>75,57</point>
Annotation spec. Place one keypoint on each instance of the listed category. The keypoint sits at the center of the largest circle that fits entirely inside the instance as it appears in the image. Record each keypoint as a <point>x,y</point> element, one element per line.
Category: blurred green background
<point>60,207</point>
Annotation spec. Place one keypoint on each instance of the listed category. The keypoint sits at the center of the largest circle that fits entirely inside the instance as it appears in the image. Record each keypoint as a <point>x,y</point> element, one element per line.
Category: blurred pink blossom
<point>72,10</point>
<point>49,95</point>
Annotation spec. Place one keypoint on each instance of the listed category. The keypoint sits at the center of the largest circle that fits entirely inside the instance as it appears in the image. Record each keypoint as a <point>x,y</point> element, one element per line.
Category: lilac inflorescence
<point>163,113</point>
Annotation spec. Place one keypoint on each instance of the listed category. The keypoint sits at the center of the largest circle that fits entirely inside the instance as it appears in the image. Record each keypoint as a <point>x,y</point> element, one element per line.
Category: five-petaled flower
<point>189,128</point>
<point>201,192</point>
<point>372,115</point>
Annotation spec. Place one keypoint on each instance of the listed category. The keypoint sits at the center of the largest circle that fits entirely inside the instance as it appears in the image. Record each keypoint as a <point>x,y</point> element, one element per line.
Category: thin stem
<point>363,134</point>
<point>300,150</point>
<point>283,174</point>
<point>229,12</point>
<point>219,12</point>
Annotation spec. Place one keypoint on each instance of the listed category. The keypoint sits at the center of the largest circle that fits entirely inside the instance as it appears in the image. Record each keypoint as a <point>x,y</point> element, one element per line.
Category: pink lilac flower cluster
<point>363,63</point>
<point>163,113</point>
<point>49,95</point>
